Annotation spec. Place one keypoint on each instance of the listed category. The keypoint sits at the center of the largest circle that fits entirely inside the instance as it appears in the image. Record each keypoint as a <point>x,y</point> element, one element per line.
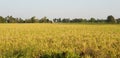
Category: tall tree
<point>54,20</point>
<point>11,19</point>
<point>92,20</point>
<point>66,20</point>
<point>20,20</point>
<point>2,20</point>
<point>28,21</point>
<point>34,20</point>
<point>101,21</point>
<point>76,20</point>
<point>111,19</point>
<point>44,20</point>
<point>57,20</point>
<point>118,20</point>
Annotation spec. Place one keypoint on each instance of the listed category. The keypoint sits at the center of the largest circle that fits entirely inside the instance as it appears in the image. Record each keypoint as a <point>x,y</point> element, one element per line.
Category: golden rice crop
<point>59,41</point>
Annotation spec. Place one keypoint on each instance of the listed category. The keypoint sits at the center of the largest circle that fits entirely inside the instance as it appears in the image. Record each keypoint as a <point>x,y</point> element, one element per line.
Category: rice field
<point>59,41</point>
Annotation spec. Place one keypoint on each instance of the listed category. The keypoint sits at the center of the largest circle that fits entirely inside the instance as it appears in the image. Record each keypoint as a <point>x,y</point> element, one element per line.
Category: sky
<point>60,8</point>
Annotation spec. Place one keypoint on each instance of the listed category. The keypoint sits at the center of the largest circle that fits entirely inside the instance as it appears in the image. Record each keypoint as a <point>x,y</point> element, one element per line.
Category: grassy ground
<point>59,41</point>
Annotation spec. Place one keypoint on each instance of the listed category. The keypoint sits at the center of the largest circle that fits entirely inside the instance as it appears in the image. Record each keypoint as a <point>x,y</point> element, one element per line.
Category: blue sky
<point>60,8</point>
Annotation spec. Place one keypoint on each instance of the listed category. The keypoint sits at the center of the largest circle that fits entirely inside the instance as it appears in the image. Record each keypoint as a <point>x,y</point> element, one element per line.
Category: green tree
<point>28,21</point>
<point>54,20</point>
<point>34,20</point>
<point>66,20</point>
<point>11,19</point>
<point>77,20</point>
<point>101,21</point>
<point>84,20</point>
<point>2,20</point>
<point>20,20</point>
<point>118,20</point>
<point>92,20</point>
<point>57,20</point>
<point>44,20</point>
<point>111,19</point>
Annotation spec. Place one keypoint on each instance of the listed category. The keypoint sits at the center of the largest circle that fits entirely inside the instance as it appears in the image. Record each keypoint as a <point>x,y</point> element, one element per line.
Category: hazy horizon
<point>60,8</point>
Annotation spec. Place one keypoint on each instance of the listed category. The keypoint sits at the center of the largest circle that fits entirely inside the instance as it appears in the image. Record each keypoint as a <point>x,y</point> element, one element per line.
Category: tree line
<point>11,19</point>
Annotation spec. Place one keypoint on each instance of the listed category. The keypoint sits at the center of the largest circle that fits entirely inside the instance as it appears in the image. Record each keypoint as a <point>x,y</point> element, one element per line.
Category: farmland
<point>59,40</point>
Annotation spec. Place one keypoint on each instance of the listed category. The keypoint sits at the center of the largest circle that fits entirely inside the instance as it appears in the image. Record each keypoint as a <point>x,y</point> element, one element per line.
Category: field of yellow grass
<point>59,41</point>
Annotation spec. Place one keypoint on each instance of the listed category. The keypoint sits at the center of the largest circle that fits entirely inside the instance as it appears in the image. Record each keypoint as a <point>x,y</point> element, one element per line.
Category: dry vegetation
<point>59,41</point>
